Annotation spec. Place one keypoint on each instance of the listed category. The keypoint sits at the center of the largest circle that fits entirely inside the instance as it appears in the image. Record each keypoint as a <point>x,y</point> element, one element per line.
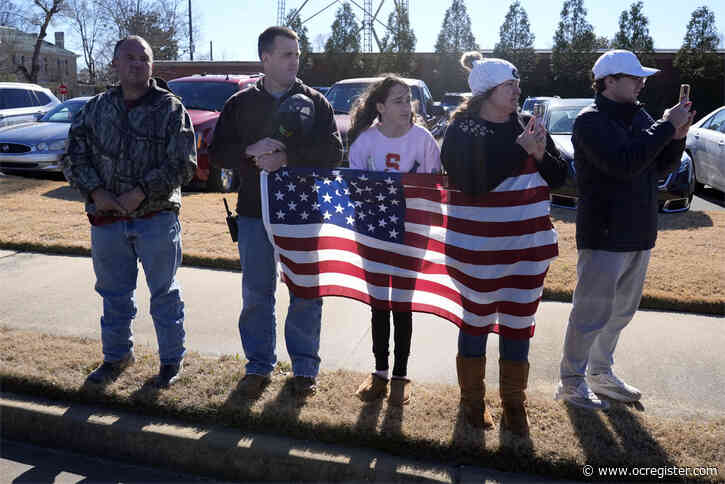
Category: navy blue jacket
<point>619,153</point>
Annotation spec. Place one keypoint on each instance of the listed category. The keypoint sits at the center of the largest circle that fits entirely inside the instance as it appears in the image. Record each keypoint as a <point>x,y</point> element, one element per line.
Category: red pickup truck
<point>204,97</point>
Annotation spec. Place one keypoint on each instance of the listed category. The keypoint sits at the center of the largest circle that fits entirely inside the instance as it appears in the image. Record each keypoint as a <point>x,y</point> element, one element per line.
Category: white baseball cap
<point>620,62</point>
<point>489,73</point>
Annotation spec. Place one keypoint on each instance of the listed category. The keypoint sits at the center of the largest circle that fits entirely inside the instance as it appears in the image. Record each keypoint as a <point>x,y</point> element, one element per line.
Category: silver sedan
<point>706,145</point>
<point>39,146</point>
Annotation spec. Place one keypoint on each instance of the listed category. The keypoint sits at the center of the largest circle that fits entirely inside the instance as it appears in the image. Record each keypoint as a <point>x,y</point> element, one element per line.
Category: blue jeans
<point>509,349</point>
<point>257,322</point>
<point>116,249</point>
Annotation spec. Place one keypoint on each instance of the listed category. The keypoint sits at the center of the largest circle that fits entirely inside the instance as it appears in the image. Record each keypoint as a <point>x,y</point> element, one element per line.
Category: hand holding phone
<point>684,93</point>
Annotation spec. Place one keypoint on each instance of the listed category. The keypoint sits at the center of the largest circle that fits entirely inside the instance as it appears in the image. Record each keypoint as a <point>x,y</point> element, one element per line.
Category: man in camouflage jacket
<point>130,150</point>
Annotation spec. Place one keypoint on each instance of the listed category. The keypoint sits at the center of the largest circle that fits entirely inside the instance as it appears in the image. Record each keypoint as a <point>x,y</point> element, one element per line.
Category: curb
<point>220,452</point>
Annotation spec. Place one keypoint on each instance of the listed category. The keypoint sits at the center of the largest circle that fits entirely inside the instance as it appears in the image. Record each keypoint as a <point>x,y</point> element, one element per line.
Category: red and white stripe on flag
<point>407,242</point>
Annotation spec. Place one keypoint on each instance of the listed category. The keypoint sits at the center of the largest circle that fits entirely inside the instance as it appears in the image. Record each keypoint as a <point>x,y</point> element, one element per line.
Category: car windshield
<point>561,119</point>
<point>203,95</point>
<point>342,96</point>
<point>452,99</point>
<point>63,113</point>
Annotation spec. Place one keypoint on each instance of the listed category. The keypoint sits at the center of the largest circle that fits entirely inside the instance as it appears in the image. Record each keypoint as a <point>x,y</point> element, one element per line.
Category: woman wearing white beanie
<point>489,146</point>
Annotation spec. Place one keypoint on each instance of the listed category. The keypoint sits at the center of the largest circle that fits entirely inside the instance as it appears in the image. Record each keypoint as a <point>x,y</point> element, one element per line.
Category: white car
<point>706,146</point>
<point>22,102</point>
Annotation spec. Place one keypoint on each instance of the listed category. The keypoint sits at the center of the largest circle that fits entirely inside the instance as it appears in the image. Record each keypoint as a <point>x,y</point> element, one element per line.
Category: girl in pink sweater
<point>384,137</point>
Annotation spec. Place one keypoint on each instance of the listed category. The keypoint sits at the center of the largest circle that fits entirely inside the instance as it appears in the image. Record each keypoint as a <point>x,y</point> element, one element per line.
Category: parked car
<point>321,89</point>
<point>343,94</point>
<point>204,97</point>
<point>528,106</point>
<point>706,146</point>
<point>22,102</point>
<point>674,191</point>
<point>38,146</point>
<point>451,100</point>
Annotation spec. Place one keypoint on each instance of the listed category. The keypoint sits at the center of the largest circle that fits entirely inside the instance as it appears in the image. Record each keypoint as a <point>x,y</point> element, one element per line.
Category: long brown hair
<point>471,106</point>
<point>365,110</point>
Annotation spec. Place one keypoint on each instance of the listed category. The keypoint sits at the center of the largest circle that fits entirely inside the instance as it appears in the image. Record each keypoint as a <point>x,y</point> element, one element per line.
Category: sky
<point>234,25</point>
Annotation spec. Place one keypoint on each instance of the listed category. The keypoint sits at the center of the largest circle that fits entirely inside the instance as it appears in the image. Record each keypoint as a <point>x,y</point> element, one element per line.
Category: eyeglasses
<point>637,79</point>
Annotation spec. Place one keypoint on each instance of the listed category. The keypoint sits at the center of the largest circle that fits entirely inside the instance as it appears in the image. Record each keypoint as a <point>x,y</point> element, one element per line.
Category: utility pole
<point>211,51</point>
<point>191,36</point>
<point>281,8</point>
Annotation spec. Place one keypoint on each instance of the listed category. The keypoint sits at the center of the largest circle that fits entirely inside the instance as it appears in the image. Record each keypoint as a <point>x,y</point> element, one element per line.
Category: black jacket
<point>619,153</point>
<point>248,116</point>
<point>478,155</point>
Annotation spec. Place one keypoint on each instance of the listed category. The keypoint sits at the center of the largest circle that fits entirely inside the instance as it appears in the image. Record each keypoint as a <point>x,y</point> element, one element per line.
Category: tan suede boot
<point>514,376</point>
<point>471,372</point>
<point>372,388</point>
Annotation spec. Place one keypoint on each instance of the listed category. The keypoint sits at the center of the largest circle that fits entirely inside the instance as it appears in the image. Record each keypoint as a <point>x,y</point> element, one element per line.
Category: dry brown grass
<point>562,439</point>
<point>686,271</point>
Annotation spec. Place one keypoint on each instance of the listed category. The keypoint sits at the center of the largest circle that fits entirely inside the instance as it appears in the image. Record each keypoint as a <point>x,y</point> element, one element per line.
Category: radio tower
<point>280,12</point>
<point>367,26</point>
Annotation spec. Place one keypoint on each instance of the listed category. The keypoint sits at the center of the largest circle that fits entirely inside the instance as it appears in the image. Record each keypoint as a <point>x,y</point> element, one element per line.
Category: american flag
<point>407,242</point>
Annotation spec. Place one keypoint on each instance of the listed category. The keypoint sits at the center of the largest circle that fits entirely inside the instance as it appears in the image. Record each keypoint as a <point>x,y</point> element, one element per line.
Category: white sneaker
<point>609,385</point>
<point>581,396</point>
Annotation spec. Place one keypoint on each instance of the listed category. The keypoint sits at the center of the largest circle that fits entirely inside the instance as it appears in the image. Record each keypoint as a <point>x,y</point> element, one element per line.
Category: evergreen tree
<point>294,22</point>
<point>345,36</point>
<point>455,36</point>
<point>697,58</point>
<point>162,38</point>
<point>398,44</point>
<point>516,42</point>
<point>634,34</point>
<point>573,54</point>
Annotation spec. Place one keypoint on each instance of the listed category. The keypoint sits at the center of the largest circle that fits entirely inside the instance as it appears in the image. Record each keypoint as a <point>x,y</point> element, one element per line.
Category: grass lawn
<point>686,271</point>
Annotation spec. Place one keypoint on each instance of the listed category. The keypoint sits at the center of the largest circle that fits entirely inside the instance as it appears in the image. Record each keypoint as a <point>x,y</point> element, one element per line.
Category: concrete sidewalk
<point>676,359</point>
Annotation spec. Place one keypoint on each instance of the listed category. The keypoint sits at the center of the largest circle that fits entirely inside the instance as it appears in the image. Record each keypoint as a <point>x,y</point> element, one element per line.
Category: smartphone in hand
<point>685,93</point>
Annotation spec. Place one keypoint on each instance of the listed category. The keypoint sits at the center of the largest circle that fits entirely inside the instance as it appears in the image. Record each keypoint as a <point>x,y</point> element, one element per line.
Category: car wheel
<point>222,180</point>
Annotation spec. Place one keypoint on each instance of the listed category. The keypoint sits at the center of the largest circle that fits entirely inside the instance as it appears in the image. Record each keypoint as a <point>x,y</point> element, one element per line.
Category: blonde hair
<point>365,110</point>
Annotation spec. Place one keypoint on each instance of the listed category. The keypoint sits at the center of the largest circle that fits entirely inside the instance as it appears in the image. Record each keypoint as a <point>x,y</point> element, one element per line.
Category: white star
<point>393,218</point>
<point>292,206</point>
<point>280,214</point>
<point>368,200</point>
<point>315,188</point>
<point>392,190</point>
<point>394,201</point>
<point>337,192</point>
<point>279,195</point>
<point>350,220</point>
<point>304,215</point>
<point>370,227</point>
<point>358,190</point>
<point>291,187</point>
<point>338,179</point>
<point>358,203</point>
<point>314,174</point>
<point>304,197</point>
<point>393,233</point>
<point>338,208</point>
<point>353,183</point>
<point>327,215</point>
<point>382,222</point>
<point>301,179</point>
<point>327,198</point>
<point>350,204</point>
<point>277,177</point>
<point>346,191</point>
<point>326,181</point>
<point>368,189</point>
<point>362,178</point>
<point>380,197</point>
<point>316,206</point>
<point>382,208</point>
<point>361,215</point>
<point>389,180</point>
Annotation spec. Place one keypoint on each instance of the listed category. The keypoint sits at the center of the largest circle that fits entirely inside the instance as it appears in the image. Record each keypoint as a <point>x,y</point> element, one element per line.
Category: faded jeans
<point>116,249</point>
<point>257,321</point>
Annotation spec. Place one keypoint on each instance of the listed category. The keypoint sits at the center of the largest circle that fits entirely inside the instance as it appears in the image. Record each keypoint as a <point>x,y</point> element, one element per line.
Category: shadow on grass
<point>10,184</point>
<point>65,193</point>
<point>665,221</point>
<point>632,446</point>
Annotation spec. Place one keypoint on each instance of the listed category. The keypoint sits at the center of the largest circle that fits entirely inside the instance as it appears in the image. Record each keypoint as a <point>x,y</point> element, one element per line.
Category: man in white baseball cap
<point>619,152</point>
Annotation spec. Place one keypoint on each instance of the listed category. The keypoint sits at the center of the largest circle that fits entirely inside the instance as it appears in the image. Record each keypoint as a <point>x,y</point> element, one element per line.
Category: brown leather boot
<point>514,376</point>
<point>471,372</point>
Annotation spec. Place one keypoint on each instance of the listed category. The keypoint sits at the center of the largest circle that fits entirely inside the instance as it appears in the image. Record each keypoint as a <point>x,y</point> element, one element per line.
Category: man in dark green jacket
<point>130,150</point>
<point>620,152</point>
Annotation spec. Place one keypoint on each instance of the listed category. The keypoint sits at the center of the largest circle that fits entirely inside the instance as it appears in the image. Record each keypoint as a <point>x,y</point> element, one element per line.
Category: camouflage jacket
<point>151,145</point>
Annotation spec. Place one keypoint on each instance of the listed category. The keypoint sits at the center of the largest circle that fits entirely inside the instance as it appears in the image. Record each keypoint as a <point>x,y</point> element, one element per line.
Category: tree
<point>161,36</point>
<point>634,34</point>
<point>294,22</point>
<point>697,58</point>
<point>455,36</point>
<point>398,44</point>
<point>573,53</point>
<point>345,38</point>
<point>516,42</point>
<point>42,14</point>
<point>86,20</point>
